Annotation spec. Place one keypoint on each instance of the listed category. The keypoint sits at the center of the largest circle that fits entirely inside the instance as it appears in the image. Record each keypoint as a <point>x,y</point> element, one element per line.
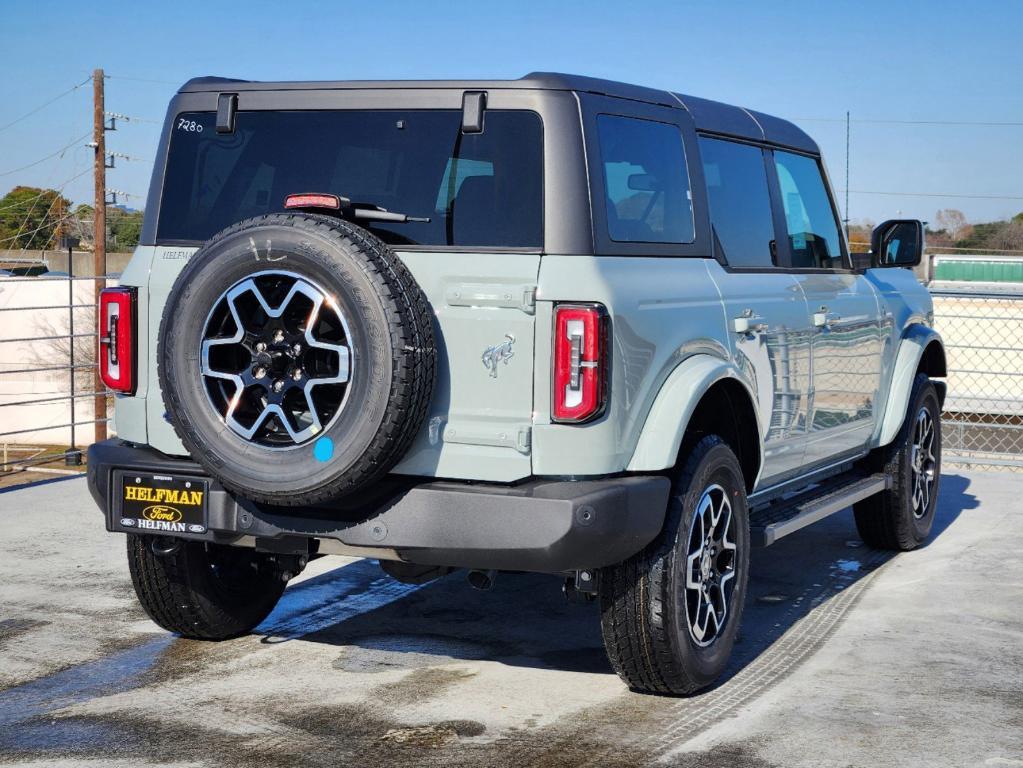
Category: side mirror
<point>643,182</point>
<point>897,243</point>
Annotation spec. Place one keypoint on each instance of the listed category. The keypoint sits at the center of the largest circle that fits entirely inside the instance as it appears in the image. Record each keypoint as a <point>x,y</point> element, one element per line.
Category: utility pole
<point>847,176</point>
<point>99,227</point>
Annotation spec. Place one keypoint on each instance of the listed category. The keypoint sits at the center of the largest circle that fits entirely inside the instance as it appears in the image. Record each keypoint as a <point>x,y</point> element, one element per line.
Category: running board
<point>785,516</point>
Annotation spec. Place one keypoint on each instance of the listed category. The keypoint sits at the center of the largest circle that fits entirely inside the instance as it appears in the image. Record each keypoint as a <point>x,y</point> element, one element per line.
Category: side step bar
<point>772,522</point>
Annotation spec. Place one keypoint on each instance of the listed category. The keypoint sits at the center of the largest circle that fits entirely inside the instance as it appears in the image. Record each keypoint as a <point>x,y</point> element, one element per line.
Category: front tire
<point>901,517</point>
<point>203,591</point>
<point>670,614</point>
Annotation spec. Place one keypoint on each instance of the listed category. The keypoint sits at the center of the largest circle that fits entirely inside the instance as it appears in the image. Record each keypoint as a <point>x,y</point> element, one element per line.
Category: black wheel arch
<point>726,410</point>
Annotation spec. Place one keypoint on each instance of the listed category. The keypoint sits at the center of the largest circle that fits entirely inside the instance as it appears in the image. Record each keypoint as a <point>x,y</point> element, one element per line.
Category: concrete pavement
<point>847,657</point>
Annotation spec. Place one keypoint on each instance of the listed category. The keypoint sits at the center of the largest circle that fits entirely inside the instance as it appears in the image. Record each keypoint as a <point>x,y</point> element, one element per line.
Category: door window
<point>814,239</point>
<point>740,204</point>
<point>646,181</point>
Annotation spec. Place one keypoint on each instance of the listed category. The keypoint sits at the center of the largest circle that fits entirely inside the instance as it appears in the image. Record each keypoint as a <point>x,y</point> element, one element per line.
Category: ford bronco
<point>555,324</point>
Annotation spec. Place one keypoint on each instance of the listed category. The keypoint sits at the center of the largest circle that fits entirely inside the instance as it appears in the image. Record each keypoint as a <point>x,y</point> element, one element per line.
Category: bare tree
<point>1009,237</point>
<point>954,223</point>
<point>56,349</point>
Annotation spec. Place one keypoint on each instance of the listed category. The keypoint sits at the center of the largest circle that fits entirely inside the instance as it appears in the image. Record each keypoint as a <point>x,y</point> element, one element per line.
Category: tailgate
<point>479,425</point>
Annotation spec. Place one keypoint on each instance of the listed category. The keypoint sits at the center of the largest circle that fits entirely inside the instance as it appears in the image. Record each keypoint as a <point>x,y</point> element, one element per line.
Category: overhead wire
<point>35,201</point>
<point>935,194</point>
<point>143,80</point>
<point>44,159</point>
<point>45,104</point>
<point>973,123</point>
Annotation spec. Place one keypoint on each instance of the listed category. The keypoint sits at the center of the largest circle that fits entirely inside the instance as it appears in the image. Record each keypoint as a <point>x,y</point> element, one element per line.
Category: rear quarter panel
<point>662,310</point>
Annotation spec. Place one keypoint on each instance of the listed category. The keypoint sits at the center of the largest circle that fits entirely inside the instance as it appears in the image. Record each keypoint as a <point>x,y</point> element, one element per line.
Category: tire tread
<point>414,358</point>
<point>636,607</point>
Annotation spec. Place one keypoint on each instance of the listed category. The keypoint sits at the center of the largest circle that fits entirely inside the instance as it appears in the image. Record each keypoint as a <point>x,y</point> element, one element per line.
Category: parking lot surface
<point>847,657</point>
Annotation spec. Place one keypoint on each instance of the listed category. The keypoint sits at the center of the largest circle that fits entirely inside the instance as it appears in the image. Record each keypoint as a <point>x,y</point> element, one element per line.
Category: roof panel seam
<point>763,133</point>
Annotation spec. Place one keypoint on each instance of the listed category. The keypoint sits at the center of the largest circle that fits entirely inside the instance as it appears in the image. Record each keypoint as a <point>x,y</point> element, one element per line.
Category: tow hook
<point>163,546</point>
<point>290,566</point>
<point>580,586</point>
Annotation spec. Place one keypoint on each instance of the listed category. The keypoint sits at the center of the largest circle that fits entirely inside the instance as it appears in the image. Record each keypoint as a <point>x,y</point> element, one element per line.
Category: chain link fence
<point>983,334</point>
<point>51,404</point>
<point>47,364</point>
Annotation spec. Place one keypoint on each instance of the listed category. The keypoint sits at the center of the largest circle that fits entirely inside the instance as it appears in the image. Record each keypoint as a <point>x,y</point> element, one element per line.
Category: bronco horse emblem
<point>497,354</point>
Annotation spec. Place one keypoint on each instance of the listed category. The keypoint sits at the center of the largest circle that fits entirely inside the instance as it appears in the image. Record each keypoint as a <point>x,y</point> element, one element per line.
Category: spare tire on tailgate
<point>296,358</point>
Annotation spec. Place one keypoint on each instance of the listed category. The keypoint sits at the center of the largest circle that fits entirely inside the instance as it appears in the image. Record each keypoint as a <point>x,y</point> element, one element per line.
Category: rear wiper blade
<point>371,212</point>
<point>320,201</point>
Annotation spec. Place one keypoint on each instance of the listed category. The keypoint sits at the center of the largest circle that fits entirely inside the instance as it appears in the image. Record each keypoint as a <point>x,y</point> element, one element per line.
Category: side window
<point>814,237</point>
<point>646,180</point>
<point>740,203</point>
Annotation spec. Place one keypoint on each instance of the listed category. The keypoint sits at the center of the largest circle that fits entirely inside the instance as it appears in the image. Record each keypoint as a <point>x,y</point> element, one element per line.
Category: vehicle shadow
<point>525,620</point>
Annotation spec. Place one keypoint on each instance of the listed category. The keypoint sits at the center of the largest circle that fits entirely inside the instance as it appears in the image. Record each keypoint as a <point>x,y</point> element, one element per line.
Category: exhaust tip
<point>481,580</point>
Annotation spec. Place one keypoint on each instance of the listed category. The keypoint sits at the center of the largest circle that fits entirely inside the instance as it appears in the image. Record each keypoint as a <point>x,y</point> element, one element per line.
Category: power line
<point>35,201</point>
<point>131,119</point>
<point>935,194</point>
<point>46,223</point>
<point>26,202</point>
<point>143,80</point>
<point>44,159</point>
<point>44,105</point>
<point>975,123</point>
<point>130,158</point>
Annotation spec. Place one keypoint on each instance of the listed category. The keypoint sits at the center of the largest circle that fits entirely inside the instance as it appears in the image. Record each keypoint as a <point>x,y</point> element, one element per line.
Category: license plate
<point>163,504</point>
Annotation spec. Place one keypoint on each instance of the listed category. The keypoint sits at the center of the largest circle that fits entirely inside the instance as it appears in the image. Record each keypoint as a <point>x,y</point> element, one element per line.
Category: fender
<point>669,416</point>
<point>914,343</point>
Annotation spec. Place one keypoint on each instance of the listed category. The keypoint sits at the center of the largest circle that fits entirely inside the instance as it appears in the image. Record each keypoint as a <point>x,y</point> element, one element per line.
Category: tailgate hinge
<point>520,438</point>
<point>517,296</point>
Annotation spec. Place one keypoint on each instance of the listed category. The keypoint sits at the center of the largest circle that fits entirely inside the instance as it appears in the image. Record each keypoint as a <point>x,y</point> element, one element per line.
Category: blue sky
<point>806,61</point>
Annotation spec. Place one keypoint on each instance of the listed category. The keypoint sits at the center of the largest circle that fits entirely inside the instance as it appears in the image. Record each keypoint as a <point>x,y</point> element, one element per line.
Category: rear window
<point>482,190</point>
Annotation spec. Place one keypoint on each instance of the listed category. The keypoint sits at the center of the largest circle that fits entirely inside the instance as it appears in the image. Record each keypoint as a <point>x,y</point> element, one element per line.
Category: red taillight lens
<point>313,200</point>
<point>117,339</point>
<point>580,362</point>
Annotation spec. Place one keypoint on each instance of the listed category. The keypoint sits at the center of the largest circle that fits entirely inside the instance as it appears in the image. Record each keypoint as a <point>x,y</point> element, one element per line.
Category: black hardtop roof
<point>711,116</point>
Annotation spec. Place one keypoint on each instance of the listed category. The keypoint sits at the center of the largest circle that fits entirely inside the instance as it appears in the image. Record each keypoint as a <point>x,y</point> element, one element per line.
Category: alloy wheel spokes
<point>710,565</point>
<point>923,462</point>
<point>276,358</point>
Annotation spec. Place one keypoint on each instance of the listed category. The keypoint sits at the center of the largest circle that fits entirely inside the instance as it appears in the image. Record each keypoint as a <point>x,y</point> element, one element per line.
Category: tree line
<point>34,218</point>
<point>951,230</point>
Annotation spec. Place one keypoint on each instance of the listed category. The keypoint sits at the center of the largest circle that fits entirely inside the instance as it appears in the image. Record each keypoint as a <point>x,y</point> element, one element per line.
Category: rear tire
<point>656,608</point>
<point>901,517</point>
<point>203,591</point>
<point>296,358</point>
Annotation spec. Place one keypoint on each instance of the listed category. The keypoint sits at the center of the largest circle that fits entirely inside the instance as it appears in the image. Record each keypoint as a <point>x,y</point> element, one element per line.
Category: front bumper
<point>541,525</point>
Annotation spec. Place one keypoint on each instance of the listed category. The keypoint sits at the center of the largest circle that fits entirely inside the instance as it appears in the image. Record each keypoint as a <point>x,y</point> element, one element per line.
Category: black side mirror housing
<point>897,243</point>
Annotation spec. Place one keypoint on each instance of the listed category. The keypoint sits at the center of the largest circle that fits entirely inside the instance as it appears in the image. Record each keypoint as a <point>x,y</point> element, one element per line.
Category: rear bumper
<point>541,525</point>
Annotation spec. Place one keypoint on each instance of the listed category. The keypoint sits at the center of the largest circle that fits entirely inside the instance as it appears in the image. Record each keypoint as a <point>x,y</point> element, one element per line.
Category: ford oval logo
<point>162,513</point>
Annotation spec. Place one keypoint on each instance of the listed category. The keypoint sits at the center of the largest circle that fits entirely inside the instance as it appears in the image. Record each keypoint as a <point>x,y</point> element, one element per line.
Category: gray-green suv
<point>555,324</point>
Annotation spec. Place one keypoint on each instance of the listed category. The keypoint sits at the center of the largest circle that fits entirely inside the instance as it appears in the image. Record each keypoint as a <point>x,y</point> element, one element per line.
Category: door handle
<point>826,319</point>
<point>749,324</point>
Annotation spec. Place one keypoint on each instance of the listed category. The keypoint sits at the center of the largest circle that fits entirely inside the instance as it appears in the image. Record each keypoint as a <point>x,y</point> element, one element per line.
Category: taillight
<point>117,339</point>
<point>580,362</point>
<point>313,200</point>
